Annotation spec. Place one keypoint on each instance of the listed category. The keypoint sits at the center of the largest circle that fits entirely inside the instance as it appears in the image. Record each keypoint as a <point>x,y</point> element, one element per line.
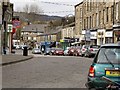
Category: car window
<point>112,54</point>
<point>85,46</point>
<point>94,46</point>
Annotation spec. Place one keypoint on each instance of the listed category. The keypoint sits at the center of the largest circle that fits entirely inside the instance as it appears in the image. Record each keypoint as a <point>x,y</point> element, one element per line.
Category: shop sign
<point>61,40</point>
<point>87,35</point>
<point>109,34</point>
<point>93,35</point>
<point>9,28</point>
<point>16,23</point>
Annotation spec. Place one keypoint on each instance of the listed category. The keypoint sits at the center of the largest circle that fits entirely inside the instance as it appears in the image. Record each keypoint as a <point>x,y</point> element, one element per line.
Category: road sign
<point>9,28</point>
<point>16,23</point>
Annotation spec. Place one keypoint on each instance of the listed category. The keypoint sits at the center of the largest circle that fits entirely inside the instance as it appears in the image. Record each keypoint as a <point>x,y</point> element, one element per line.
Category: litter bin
<point>25,51</point>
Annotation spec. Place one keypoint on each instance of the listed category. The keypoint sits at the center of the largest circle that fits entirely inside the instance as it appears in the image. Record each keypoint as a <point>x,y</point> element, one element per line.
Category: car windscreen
<point>106,55</point>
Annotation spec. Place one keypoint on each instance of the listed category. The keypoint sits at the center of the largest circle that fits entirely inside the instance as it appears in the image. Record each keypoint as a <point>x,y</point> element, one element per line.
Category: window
<point>99,17</point>
<point>84,23</point>
<point>90,5</point>
<point>107,14</point>
<point>112,13</point>
<point>103,16</point>
<point>107,54</point>
<point>116,11</point>
<point>90,23</point>
<point>81,13</point>
<point>87,23</point>
<point>97,20</point>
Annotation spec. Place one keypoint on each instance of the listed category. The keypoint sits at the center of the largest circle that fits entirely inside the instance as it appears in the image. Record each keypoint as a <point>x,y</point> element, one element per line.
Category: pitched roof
<point>34,28</point>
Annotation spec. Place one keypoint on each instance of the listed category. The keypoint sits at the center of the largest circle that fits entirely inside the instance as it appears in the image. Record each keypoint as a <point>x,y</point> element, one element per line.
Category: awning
<point>75,43</point>
<point>29,35</point>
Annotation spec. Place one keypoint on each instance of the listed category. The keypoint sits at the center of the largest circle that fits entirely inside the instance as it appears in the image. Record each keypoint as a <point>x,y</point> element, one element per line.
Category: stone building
<point>31,34</point>
<point>78,20</point>
<point>6,32</point>
<point>99,21</point>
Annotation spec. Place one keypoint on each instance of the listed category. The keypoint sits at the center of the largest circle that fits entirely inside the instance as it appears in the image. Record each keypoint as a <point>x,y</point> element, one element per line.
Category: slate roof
<point>52,32</point>
<point>34,28</point>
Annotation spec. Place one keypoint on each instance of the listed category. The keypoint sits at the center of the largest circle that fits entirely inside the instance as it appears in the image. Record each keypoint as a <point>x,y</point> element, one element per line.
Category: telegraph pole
<point>0,26</point>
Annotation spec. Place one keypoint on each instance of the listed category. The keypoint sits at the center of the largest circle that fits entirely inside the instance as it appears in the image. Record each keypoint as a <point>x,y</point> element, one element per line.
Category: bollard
<point>25,51</point>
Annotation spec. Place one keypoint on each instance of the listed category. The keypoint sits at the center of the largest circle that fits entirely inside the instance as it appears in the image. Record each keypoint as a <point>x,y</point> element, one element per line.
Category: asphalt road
<point>47,72</point>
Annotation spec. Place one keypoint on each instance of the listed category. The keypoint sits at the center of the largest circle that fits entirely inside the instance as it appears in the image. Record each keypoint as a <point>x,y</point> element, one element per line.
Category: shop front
<point>109,37</point>
<point>101,36</point>
<point>93,37</point>
<point>116,29</point>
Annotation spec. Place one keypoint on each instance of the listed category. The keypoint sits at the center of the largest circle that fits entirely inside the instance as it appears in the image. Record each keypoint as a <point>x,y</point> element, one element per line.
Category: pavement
<point>13,58</point>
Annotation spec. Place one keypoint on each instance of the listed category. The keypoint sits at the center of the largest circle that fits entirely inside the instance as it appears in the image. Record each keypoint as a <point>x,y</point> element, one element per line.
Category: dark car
<point>92,50</point>
<point>59,51</point>
<point>47,51</point>
<point>106,63</point>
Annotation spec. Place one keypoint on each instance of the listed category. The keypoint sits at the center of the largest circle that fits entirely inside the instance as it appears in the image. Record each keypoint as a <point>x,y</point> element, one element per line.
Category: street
<point>47,72</point>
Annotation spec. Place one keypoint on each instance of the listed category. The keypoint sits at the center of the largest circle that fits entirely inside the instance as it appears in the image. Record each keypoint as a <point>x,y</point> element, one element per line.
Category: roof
<point>34,28</point>
<point>110,45</point>
<point>78,4</point>
<point>52,31</point>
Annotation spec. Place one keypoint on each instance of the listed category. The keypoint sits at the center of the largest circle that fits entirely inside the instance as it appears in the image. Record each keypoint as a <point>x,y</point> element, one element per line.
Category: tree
<point>32,12</point>
<point>26,8</point>
<point>33,8</point>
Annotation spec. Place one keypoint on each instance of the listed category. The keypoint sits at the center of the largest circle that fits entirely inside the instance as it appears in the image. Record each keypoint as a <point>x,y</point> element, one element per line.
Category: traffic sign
<point>9,28</point>
<point>16,23</point>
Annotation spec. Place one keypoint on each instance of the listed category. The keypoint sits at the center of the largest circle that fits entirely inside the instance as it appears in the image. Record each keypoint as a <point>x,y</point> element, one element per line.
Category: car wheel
<point>82,55</point>
<point>89,56</point>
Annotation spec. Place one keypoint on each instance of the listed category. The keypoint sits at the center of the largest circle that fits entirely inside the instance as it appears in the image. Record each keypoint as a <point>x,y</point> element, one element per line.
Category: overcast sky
<point>49,8</point>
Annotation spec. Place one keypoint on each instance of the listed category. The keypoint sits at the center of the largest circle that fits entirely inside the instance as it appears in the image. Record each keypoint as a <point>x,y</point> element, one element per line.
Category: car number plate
<point>113,73</point>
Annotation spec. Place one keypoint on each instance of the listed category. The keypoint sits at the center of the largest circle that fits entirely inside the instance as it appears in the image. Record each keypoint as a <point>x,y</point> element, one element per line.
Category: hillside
<point>35,17</point>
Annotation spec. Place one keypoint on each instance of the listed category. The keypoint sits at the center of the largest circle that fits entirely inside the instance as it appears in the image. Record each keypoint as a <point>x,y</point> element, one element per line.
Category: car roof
<point>110,45</point>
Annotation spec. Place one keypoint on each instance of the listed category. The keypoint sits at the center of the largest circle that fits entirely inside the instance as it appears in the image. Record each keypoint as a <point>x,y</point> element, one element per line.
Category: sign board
<point>10,26</point>
<point>16,23</point>
<point>87,35</point>
<point>109,34</point>
<point>93,35</point>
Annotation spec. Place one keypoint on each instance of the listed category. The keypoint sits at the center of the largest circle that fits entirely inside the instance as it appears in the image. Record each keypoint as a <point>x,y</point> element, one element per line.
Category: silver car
<point>83,50</point>
<point>36,51</point>
<point>92,50</point>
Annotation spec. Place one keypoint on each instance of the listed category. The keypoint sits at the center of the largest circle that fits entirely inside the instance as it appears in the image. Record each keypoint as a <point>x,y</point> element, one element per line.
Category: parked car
<point>77,51</point>
<point>83,50</point>
<point>52,50</point>
<point>59,51</point>
<point>91,50</point>
<point>66,51</point>
<point>17,46</point>
<point>71,51</point>
<point>47,51</point>
<point>36,51</point>
<point>106,63</point>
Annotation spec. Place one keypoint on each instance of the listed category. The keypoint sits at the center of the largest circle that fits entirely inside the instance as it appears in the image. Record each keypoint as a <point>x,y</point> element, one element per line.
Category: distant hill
<point>35,17</point>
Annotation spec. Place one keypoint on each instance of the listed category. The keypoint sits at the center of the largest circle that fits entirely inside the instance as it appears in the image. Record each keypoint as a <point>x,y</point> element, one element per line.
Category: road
<point>47,72</point>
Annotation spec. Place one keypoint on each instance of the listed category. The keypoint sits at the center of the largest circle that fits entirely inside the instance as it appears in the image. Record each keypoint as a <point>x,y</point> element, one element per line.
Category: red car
<point>71,51</point>
<point>77,51</point>
<point>59,51</point>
